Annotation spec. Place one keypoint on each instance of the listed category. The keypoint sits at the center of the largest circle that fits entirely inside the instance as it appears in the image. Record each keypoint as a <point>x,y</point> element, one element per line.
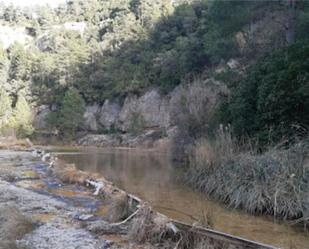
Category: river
<point>150,176</point>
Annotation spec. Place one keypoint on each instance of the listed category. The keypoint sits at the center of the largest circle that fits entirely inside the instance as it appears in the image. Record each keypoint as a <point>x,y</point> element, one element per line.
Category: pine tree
<point>22,117</point>
<point>5,108</point>
<point>71,115</point>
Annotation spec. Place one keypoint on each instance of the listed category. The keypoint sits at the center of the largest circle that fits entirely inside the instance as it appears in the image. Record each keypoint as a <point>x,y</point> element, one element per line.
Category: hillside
<point>222,85</point>
<point>109,50</point>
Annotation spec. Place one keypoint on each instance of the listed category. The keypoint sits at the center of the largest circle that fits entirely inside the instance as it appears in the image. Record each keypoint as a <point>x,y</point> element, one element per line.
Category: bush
<point>272,102</point>
<point>193,107</point>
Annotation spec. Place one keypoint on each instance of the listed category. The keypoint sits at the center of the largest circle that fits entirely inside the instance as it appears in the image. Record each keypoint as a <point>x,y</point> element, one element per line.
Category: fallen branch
<point>103,227</point>
<point>97,185</point>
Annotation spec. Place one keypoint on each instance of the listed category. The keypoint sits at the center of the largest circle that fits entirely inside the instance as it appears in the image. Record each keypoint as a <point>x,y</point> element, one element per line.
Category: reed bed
<point>275,182</point>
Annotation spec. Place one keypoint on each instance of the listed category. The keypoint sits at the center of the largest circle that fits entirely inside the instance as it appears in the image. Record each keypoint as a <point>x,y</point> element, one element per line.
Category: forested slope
<point>102,49</point>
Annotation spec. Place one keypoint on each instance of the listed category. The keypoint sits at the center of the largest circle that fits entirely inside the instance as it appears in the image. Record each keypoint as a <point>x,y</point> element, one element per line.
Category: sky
<point>24,3</point>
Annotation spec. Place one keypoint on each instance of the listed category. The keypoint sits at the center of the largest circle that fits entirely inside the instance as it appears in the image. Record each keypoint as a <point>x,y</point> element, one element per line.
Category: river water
<point>150,176</point>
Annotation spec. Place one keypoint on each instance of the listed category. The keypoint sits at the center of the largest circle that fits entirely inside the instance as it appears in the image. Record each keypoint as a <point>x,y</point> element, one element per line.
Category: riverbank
<point>54,208</point>
<point>272,183</point>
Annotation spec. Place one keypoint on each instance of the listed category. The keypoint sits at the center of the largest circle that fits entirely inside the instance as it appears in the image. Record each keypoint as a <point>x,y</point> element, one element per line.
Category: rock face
<point>109,114</point>
<point>152,108</point>
<point>139,120</point>
<point>10,35</point>
<point>39,120</point>
<point>90,117</point>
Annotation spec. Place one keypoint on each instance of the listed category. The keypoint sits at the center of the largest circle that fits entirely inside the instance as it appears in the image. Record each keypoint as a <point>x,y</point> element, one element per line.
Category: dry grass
<point>12,142</point>
<point>275,183</point>
<point>14,225</point>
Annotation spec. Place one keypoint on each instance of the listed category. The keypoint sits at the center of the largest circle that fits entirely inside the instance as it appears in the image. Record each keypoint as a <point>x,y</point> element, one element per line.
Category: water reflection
<point>150,176</point>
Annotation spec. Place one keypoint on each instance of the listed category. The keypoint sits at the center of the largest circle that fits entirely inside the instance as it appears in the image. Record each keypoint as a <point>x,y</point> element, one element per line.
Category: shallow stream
<point>150,176</point>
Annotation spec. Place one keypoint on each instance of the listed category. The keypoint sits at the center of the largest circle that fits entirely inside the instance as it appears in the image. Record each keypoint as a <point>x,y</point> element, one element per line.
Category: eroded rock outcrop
<point>141,120</point>
<point>90,117</point>
<point>109,114</point>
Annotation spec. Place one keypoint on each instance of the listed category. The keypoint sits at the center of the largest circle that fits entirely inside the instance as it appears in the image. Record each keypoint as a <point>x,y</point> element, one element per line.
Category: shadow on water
<point>151,176</point>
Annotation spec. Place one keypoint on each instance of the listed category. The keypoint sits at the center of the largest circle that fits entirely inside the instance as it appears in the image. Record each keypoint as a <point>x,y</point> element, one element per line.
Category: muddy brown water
<point>150,176</point>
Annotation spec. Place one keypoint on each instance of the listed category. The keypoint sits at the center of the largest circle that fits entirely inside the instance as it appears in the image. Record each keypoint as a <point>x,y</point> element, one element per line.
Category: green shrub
<point>272,102</point>
<point>71,114</point>
<point>22,117</point>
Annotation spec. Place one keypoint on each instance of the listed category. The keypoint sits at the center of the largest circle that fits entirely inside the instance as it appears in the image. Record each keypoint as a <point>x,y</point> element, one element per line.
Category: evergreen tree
<point>71,115</point>
<point>5,108</point>
<point>22,116</point>
<point>20,66</point>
